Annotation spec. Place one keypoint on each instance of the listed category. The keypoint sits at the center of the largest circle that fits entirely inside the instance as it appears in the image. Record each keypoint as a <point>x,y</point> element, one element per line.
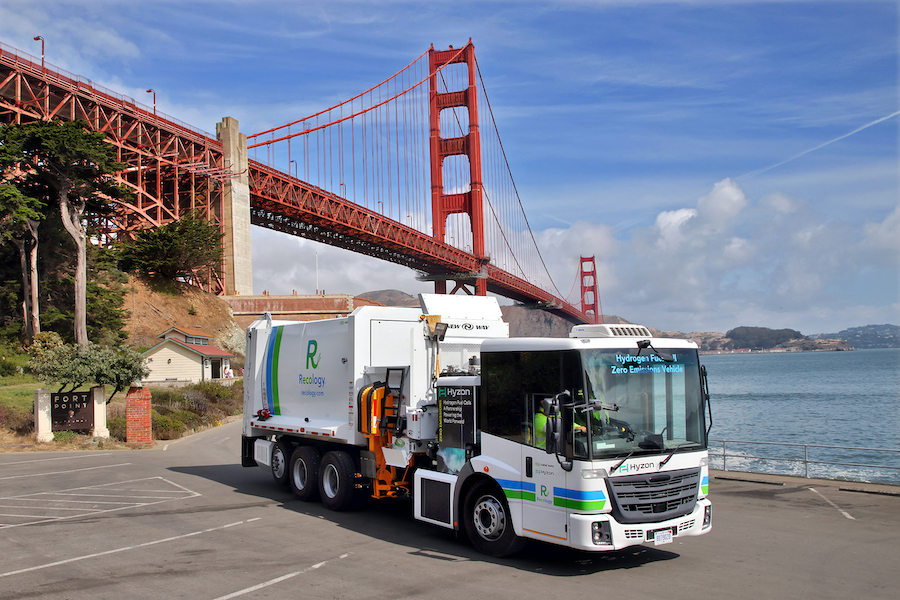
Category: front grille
<point>654,497</point>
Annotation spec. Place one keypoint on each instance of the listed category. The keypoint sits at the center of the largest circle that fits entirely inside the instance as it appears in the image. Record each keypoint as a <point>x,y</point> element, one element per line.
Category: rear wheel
<point>487,521</point>
<point>281,459</point>
<point>337,481</point>
<point>304,473</point>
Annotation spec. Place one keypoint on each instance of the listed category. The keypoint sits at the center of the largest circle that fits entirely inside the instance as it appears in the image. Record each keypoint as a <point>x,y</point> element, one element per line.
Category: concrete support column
<point>43,425</point>
<point>98,401</point>
<point>237,262</point>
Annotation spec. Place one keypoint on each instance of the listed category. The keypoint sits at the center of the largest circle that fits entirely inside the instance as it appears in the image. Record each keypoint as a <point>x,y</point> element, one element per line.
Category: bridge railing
<point>28,62</point>
<point>808,460</point>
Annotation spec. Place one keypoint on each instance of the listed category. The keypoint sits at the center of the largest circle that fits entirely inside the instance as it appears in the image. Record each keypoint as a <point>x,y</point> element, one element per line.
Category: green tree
<point>119,368</point>
<point>187,249</point>
<point>20,215</point>
<point>73,366</point>
<point>68,365</point>
<point>77,166</point>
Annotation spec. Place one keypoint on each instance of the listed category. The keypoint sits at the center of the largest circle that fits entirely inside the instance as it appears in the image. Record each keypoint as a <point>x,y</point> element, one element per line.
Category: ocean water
<point>816,398</point>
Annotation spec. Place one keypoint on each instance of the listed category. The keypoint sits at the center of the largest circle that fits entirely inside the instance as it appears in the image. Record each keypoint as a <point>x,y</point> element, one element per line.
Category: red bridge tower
<point>469,145</point>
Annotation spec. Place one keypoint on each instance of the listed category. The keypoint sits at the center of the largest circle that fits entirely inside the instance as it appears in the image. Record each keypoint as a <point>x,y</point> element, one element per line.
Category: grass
<point>19,395</point>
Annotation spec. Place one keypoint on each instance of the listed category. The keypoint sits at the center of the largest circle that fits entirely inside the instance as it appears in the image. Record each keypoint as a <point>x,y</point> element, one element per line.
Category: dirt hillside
<point>155,308</point>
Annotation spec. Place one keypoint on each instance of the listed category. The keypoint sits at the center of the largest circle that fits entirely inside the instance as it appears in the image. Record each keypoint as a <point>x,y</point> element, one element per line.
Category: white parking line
<point>36,460</point>
<point>836,507</point>
<point>45,507</point>
<point>266,584</point>
<point>63,472</point>
<point>126,548</point>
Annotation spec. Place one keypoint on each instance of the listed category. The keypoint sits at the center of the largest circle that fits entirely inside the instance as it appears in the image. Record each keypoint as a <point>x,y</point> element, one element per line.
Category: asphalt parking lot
<point>185,520</point>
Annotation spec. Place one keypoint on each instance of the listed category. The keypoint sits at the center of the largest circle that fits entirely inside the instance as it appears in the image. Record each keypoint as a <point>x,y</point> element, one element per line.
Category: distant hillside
<point>523,321</point>
<point>154,307</point>
<point>756,339</point>
<point>869,336</point>
<point>528,322</point>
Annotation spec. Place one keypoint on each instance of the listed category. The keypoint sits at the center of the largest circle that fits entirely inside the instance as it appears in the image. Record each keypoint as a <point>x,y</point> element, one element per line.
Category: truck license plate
<point>663,536</point>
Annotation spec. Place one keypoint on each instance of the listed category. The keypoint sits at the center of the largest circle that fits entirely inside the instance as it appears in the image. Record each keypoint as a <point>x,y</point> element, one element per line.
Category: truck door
<point>545,513</point>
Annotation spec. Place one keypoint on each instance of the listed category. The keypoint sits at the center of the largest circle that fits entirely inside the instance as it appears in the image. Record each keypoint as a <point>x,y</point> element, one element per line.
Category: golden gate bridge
<point>411,171</point>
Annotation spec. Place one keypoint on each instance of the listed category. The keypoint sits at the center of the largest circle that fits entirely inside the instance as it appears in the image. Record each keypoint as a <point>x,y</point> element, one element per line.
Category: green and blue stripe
<point>273,351</point>
<point>517,490</point>
<point>579,499</point>
<point>563,497</point>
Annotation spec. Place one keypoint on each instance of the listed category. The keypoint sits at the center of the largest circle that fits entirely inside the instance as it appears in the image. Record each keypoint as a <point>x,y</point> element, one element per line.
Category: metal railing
<point>746,459</point>
<point>50,72</point>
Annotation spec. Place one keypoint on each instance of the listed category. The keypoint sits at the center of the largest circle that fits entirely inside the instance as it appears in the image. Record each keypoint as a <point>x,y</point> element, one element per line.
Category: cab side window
<point>513,386</point>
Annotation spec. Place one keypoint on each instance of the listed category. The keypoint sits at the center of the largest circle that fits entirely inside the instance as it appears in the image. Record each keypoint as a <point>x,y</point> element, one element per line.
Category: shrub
<point>166,428</point>
<point>20,422</point>
<point>64,436</point>
<point>212,389</point>
<point>189,419</point>
<point>7,368</point>
<point>196,401</point>
<point>118,428</point>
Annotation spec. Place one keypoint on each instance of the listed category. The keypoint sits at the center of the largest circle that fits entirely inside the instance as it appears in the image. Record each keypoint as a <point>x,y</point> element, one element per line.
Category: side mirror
<point>553,428</point>
<point>553,434</point>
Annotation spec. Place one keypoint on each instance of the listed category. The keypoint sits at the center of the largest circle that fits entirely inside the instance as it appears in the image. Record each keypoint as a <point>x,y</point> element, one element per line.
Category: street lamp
<point>295,169</point>
<point>36,38</point>
<point>154,100</point>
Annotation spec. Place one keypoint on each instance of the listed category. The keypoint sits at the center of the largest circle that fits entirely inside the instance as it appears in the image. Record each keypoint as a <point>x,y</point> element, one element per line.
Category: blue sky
<point>699,149</point>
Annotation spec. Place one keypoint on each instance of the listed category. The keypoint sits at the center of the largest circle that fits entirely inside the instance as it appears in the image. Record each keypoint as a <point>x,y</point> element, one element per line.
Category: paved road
<point>186,521</point>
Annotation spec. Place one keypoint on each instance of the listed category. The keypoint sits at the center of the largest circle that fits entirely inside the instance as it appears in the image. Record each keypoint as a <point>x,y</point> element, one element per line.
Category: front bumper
<point>634,534</point>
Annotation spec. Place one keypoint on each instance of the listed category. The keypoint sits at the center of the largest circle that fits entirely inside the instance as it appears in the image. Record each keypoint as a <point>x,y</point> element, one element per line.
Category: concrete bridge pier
<point>237,263</point>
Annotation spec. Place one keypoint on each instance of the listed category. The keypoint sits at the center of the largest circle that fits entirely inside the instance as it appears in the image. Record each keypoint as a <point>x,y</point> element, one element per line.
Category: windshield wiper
<point>664,356</point>
<point>666,459</point>
<point>671,454</point>
<point>622,462</point>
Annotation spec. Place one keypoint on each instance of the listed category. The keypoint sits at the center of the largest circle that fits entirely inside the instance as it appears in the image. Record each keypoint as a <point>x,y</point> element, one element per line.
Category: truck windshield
<point>636,402</point>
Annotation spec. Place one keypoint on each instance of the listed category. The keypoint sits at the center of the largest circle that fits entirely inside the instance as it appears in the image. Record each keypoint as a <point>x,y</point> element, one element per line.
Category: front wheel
<point>487,521</point>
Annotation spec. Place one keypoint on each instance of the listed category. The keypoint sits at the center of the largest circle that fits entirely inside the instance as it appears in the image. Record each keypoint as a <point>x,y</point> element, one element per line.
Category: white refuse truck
<point>597,441</point>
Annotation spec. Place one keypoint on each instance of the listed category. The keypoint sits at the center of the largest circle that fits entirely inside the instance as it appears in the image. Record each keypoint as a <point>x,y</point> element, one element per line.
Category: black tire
<point>281,460</point>
<point>487,521</point>
<point>304,473</point>
<point>337,481</point>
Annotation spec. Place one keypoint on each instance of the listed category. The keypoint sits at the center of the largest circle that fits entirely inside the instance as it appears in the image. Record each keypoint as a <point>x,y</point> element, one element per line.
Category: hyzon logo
<point>311,358</point>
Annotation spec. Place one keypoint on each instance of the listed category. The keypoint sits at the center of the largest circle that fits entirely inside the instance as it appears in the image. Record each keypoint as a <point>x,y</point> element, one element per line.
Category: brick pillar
<point>139,426</point>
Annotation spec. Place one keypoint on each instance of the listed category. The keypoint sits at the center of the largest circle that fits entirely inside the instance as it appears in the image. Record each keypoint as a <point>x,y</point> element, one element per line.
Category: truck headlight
<point>601,534</point>
<point>707,517</point>
<point>594,474</point>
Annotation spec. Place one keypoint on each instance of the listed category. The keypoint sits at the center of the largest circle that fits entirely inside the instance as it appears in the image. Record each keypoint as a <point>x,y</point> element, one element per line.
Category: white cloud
<point>671,226</point>
<point>886,234</point>
<point>724,202</point>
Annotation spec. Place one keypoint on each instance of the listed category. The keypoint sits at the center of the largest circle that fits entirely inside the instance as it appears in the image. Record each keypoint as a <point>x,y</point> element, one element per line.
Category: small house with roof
<point>186,355</point>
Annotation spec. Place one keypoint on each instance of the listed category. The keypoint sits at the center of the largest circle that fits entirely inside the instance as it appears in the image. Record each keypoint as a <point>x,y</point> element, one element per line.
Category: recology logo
<point>313,356</point>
